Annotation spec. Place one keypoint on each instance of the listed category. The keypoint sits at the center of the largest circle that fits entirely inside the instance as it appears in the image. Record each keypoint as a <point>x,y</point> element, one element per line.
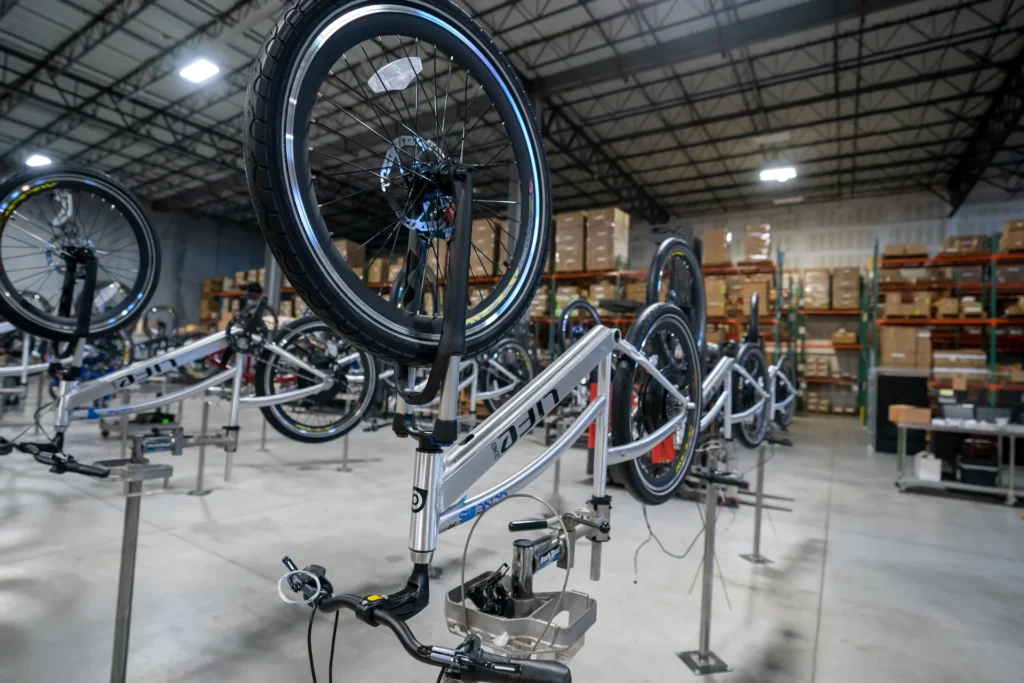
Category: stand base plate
<point>755,559</point>
<point>703,666</point>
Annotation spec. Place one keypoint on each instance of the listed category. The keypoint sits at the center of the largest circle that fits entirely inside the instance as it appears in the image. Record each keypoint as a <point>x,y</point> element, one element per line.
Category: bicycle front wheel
<point>50,215</point>
<point>746,394</point>
<point>641,404</point>
<point>355,114</point>
<point>675,276</point>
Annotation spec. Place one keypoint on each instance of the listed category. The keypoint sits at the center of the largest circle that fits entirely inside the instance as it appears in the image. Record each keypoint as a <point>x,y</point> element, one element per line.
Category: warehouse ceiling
<point>665,108</point>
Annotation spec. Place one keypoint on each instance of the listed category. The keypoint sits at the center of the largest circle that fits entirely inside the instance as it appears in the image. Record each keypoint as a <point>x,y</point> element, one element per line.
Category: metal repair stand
<point>756,557</point>
<point>199,490</point>
<point>703,661</point>
<point>133,474</point>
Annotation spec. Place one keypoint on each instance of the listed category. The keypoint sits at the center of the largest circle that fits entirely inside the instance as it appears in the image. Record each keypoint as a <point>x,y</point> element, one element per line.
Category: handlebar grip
<point>528,525</point>
<point>544,671</point>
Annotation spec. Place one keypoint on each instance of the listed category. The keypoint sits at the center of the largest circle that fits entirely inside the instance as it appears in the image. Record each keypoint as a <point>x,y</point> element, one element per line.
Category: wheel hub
<point>412,178</point>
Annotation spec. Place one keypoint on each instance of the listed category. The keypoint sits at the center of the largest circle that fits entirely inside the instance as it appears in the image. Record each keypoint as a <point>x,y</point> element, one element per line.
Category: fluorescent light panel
<point>781,174</point>
<point>199,71</point>
<point>787,200</point>
<point>38,160</point>
<point>771,139</point>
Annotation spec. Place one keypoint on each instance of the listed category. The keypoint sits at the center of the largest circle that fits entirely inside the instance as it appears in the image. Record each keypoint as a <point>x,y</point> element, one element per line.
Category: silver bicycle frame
<point>73,394</point>
<point>25,368</point>
<point>721,376</point>
<point>440,481</point>
<point>774,373</point>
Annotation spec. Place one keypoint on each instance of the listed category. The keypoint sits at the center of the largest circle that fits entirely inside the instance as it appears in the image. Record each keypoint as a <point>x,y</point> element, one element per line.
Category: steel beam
<point>997,124</point>
<point>767,26</point>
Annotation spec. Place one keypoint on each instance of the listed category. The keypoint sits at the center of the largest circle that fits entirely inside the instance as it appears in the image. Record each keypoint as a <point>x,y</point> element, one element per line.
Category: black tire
<point>654,483</point>
<point>572,329</point>
<point>321,353</point>
<point>99,190</point>
<point>752,358</point>
<point>782,392</point>
<point>298,53</point>
<point>516,358</point>
<point>685,284</point>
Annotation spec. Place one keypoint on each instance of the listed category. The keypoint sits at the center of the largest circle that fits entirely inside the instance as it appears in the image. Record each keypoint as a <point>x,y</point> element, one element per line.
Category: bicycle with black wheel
<point>400,128</point>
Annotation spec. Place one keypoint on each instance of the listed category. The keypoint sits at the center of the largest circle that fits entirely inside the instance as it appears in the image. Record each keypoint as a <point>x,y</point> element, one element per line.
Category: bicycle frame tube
<point>775,372</point>
<point>721,372</point>
<point>325,381</point>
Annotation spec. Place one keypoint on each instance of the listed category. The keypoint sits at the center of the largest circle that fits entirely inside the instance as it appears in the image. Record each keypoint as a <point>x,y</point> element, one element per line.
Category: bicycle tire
<point>637,475</point>
<point>785,418</point>
<point>581,305</point>
<point>289,425</point>
<point>301,241</point>
<point>15,307</point>
<point>491,377</point>
<point>750,355</point>
<point>694,302</point>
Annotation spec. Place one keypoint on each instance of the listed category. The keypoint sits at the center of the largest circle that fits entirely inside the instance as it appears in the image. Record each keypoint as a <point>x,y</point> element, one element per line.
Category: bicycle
<point>303,85</point>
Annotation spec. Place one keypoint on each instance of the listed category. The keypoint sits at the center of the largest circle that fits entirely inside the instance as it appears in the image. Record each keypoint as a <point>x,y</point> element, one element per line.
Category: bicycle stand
<point>133,474</point>
<point>703,661</point>
<point>755,557</point>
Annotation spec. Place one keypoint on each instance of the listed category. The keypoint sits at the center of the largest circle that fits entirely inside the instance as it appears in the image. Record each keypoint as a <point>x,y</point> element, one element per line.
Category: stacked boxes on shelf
<point>607,239</point>
<point>600,291</point>
<point>846,288</point>
<point>969,363</point>
<point>353,253</point>
<point>757,243</point>
<point>761,284</point>
<point>484,251</point>
<point>717,244</point>
<point>1013,237</point>
<point>964,245</point>
<point>908,348</point>
<point>817,290</point>
<point>912,250</point>
<point>715,294</point>
<point>570,250</point>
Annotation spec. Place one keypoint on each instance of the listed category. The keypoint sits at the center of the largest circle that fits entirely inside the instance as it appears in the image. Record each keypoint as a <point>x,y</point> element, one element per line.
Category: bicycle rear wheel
<point>331,413</point>
<point>784,418</point>
<point>48,214</point>
<point>640,404</point>
<point>508,368</point>
<point>355,113</point>
<point>675,277</point>
<point>577,319</point>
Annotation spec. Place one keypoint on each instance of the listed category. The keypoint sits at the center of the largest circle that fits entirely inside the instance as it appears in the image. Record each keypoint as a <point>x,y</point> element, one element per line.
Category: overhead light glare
<point>199,71</point>
<point>781,201</point>
<point>38,160</point>
<point>780,175</point>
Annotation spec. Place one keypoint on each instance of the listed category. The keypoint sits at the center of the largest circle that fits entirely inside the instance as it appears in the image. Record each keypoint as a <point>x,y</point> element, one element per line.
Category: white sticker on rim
<point>395,76</point>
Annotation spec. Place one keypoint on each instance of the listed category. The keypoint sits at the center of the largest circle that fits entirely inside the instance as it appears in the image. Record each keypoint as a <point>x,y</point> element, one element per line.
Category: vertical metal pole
<point>272,280</point>
<point>703,661</point>
<point>126,582</point>
<point>756,557</point>
<point>124,426</point>
<point>263,435</point>
<point>204,431</point>
<point>1011,496</point>
<point>236,395</point>
<point>43,377</point>
<point>181,411</point>
<point>344,455</point>
<point>26,357</point>
<point>901,449</point>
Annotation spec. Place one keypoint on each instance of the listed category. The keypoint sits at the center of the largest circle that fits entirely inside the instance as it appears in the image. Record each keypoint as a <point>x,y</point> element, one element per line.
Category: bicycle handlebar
<point>49,454</point>
<point>473,664</point>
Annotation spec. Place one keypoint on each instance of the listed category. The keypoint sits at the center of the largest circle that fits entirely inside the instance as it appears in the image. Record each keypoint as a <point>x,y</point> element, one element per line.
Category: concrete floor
<point>867,584</point>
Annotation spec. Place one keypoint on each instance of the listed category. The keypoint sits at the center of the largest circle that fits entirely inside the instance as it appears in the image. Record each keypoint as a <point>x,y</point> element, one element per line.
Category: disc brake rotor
<point>416,200</point>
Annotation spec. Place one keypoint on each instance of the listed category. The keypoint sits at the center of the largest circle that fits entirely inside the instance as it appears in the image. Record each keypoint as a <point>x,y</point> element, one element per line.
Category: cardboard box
<point>757,243</point>
<point>846,278</point>
<point>845,300</point>
<point>570,247</point>
<point>607,239</point>
<point>377,270</point>
<point>844,336</point>
<point>971,307</point>
<point>715,296</point>
<point>395,268</point>
<point>1016,309</point>
<point>921,305</point>
<point>717,245</point>
<point>715,334</point>
<point>964,244</point>
<point>483,253</point>
<point>749,289</point>
<point>892,251</point>
<point>898,347</point>
<point>817,289</point>
<point>947,307</point>
<point>923,350</point>
<point>286,310</point>
<point>893,305</point>
<point>915,249</point>
<point>905,414</point>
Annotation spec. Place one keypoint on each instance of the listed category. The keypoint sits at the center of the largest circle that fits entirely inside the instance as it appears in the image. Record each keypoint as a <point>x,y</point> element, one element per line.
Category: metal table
<point>905,480</point>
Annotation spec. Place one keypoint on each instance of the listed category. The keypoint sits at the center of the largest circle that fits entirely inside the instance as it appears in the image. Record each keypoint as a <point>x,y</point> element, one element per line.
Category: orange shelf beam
<point>830,380</point>
<point>837,347</point>
<point>735,321</point>
<point>948,322</point>
<point>831,311</point>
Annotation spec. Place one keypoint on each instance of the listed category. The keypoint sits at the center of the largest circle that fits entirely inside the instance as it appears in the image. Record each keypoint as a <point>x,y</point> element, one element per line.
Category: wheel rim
<point>747,395</point>
<point>331,410</point>
<point>44,218</point>
<point>514,359</point>
<point>413,152</point>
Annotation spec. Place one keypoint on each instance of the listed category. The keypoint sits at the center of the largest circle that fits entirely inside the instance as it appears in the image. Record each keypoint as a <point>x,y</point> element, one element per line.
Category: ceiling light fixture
<point>38,160</point>
<point>199,71</point>
<point>782,201</point>
<point>770,139</point>
<point>780,175</point>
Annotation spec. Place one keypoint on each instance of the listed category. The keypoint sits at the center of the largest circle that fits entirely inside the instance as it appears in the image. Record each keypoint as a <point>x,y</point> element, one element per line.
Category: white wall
<point>843,234</point>
<point>194,249</point>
